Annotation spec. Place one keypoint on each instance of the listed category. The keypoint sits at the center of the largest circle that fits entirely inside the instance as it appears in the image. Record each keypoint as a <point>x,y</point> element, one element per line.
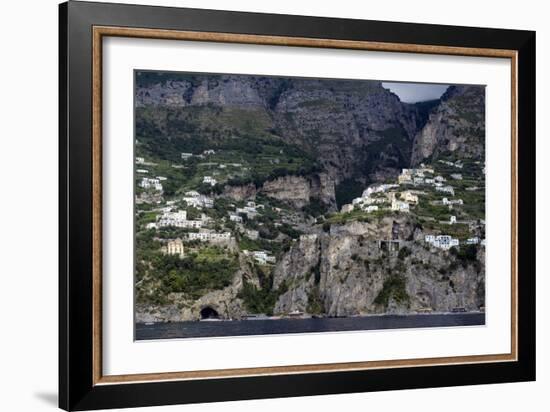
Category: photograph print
<point>269,205</point>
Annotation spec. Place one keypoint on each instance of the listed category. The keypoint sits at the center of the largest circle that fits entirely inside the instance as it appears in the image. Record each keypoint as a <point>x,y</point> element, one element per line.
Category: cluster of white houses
<point>210,236</point>
<point>374,197</point>
<point>177,246</point>
<point>195,199</point>
<point>416,176</point>
<point>154,183</point>
<point>177,219</point>
<point>446,242</point>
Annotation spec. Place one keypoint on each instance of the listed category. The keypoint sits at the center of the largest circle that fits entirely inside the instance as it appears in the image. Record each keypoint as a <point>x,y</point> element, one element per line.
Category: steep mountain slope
<point>354,130</point>
<point>456,127</point>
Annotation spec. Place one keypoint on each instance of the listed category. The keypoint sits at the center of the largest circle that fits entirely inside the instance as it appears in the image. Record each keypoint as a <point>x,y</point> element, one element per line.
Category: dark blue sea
<point>196,329</point>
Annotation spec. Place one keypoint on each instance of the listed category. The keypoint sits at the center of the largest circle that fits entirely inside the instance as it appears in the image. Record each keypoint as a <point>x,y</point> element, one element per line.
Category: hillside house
<point>452,220</point>
<point>426,169</point>
<point>446,189</point>
<point>209,152</point>
<point>397,205</point>
<point>252,234</point>
<point>409,196</point>
<point>370,208</point>
<point>233,217</point>
<point>140,160</point>
<point>174,247</point>
<point>451,202</point>
<point>209,180</point>
<point>262,257</point>
<point>456,176</point>
<point>249,211</point>
<point>186,156</point>
<point>142,171</point>
<point>212,237</point>
<point>444,242</point>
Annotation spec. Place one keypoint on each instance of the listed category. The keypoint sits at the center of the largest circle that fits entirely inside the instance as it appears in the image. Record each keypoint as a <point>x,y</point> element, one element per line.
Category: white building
<point>444,242</point>
<point>209,180</point>
<point>398,205</point>
<point>457,176</point>
<point>426,169</point>
<point>371,208</point>
<point>452,220</point>
<point>174,247</point>
<point>186,156</point>
<point>249,211</point>
<point>405,176</point>
<point>409,196</point>
<point>262,257</point>
<point>213,237</point>
<point>252,234</point>
<point>446,189</point>
<point>140,160</point>
<point>472,241</point>
<point>162,178</point>
<point>209,152</point>
<point>235,218</point>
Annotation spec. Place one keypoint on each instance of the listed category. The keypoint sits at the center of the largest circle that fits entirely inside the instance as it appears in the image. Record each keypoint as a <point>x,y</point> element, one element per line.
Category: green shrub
<point>394,287</point>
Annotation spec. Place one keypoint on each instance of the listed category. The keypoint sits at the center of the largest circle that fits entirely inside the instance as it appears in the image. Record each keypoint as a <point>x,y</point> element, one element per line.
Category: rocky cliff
<point>456,126</point>
<point>348,273</point>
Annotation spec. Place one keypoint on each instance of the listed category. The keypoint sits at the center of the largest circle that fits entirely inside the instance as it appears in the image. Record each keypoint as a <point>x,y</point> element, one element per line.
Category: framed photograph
<point>257,205</point>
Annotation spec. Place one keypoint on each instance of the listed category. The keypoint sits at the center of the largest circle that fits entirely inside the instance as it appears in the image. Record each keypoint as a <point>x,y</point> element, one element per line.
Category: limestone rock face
<point>293,189</point>
<point>298,190</point>
<point>456,125</point>
<point>348,273</point>
<point>230,91</point>
<point>239,193</point>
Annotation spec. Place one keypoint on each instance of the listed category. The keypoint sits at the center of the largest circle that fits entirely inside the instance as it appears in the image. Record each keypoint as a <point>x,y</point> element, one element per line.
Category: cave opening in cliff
<point>209,313</point>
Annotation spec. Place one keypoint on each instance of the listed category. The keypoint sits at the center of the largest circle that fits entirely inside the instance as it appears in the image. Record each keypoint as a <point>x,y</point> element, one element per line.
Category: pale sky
<point>416,92</point>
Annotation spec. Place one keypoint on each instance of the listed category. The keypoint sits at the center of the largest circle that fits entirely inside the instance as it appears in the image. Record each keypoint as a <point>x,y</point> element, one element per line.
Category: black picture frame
<point>77,389</point>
